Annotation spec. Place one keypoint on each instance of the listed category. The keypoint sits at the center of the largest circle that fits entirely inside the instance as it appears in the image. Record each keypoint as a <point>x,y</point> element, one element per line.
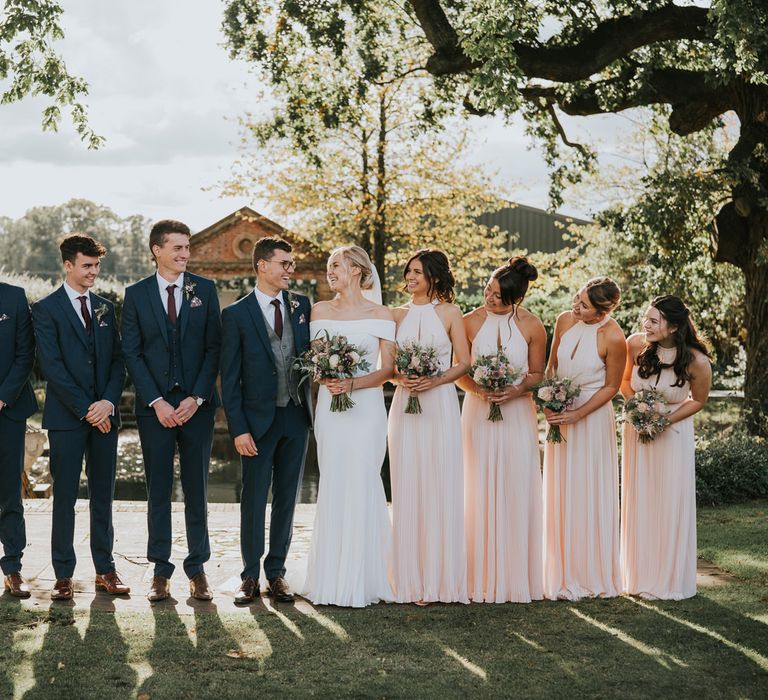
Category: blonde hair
<point>357,257</point>
<point>604,294</point>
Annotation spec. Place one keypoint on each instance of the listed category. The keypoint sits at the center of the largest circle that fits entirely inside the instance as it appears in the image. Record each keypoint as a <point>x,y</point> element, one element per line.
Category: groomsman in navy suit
<point>269,414</point>
<point>172,340</point>
<point>78,346</point>
<point>17,403</point>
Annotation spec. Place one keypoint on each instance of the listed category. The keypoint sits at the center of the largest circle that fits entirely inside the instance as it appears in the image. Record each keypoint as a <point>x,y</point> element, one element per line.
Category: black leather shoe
<point>278,590</point>
<point>249,590</point>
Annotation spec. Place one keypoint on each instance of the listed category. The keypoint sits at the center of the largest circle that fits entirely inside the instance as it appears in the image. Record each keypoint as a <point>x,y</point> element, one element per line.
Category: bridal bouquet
<point>332,357</point>
<point>557,394</point>
<point>415,360</point>
<point>646,413</point>
<point>493,373</point>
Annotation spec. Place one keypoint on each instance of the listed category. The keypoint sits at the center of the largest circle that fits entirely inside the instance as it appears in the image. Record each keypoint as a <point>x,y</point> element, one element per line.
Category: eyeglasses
<point>288,265</point>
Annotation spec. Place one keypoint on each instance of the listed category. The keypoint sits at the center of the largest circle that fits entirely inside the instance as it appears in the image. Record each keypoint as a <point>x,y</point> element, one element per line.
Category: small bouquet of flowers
<point>332,357</point>
<point>493,373</point>
<point>415,360</point>
<point>557,394</point>
<point>647,413</point>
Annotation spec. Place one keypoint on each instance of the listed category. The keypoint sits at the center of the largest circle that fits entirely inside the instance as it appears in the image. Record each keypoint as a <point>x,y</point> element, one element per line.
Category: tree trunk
<point>380,218</point>
<point>756,321</point>
<point>364,224</point>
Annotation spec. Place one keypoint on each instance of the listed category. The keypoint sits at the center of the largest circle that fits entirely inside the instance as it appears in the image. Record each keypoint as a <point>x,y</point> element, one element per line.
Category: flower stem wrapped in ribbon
<point>647,413</point>
<point>332,357</point>
<point>493,373</point>
<point>557,394</point>
<point>415,360</point>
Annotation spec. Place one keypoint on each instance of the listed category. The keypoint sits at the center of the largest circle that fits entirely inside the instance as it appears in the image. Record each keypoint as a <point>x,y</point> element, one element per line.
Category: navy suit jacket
<point>248,375</point>
<point>17,354</point>
<point>65,359</point>
<point>147,348</point>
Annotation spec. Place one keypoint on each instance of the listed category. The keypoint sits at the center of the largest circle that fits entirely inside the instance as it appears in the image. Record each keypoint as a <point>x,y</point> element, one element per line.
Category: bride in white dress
<point>351,550</point>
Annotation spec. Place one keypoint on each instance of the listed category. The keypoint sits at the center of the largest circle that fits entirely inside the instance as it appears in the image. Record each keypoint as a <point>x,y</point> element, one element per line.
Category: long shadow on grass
<point>95,665</point>
<point>10,613</point>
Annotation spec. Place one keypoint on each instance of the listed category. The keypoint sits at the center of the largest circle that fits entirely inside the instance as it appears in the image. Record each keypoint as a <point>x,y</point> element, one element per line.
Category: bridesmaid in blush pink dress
<point>658,496</point>
<point>581,474</point>
<point>502,468</point>
<point>425,454</point>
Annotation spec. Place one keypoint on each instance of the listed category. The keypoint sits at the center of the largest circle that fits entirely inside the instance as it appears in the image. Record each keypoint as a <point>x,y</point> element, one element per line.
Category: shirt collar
<point>74,294</point>
<point>163,283</point>
<point>265,299</point>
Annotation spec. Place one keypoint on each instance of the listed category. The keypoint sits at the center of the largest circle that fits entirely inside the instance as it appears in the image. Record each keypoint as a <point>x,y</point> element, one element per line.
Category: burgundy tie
<point>85,313</point>
<point>171,304</point>
<point>278,319</point>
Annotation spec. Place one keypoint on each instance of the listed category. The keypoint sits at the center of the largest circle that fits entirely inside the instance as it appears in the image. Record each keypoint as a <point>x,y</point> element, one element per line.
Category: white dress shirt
<point>265,302</point>
<point>74,298</point>
<point>163,283</point>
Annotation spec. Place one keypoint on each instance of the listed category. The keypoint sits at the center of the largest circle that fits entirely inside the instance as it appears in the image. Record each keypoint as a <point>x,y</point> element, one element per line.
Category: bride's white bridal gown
<point>351,550</point>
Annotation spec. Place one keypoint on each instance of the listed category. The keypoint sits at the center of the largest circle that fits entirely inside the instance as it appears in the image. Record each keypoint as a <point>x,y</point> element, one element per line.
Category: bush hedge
<point>731,467</point>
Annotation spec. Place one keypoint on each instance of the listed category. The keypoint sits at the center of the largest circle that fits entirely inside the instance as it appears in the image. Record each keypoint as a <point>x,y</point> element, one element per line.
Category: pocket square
<point>4,317</point>
<point>194,302</point>
<point>302,319</point>
<point>103,324</point>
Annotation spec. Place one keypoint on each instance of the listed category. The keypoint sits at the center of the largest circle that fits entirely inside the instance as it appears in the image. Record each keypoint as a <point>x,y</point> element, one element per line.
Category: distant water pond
<point>224,477</point>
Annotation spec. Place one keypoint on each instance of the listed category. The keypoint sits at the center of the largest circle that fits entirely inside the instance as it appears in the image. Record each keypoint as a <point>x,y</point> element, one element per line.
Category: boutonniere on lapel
<point>100,311</point>
<point>294,303</point>
<point>4,317</point>
<point>189,292</point>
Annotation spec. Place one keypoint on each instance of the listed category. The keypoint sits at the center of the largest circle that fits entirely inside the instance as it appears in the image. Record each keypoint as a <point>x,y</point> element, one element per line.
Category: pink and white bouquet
<point>493,373</point>
<point>647,413</point>
<point>416,360</point>
<point>332,357</point>
<point>557,394</point>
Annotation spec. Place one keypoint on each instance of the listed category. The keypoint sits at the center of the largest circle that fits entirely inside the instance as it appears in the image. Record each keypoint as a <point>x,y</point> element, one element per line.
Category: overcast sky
<point>166,97</point>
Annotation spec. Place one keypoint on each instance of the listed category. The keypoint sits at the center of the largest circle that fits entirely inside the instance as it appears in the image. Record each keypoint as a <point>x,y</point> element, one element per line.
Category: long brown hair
<point>687,338</point>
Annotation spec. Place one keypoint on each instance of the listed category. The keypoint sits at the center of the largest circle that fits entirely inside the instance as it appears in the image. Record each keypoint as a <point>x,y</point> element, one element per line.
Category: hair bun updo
<point>523,268</point>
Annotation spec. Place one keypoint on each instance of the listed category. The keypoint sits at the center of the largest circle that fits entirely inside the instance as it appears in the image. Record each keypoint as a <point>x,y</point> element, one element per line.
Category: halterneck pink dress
<point>658,499</point>
<point>502,482</point>
<point>581,484</point>
<point>426,470</point>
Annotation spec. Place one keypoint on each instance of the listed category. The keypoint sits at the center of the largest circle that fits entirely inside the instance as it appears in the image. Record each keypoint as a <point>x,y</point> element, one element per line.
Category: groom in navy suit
<point>269,414</point>
<point>17,403</point>
<point>78,346</point>
<point>172,339</point>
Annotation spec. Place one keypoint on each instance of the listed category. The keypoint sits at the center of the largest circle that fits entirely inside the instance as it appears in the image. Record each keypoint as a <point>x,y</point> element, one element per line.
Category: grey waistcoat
<point>285,354</point>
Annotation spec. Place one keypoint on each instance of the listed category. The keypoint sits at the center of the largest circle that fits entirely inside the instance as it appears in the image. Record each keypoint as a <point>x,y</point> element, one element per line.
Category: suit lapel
<point>294,319</point>
<point>258,321</point>
<point>99,336</point>
<point>153,297</point>
<point>71,315</point>
<point>185,307</point>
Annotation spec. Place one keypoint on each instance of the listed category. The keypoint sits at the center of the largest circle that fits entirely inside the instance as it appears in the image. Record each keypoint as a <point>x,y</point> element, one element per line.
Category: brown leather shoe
<point>199,588</point>
<point>15,585</point>
<point>278,590</point>
<point>160,589</point>
<point>62,589</point>
<point>111,583</point>
<point>248,591</point>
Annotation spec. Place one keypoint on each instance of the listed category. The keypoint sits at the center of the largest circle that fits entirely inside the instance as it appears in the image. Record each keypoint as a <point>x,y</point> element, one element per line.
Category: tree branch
<point>612,39</point>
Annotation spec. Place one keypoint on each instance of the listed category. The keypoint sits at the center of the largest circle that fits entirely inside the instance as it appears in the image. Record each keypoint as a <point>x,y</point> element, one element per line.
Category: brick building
<point>222,252</point>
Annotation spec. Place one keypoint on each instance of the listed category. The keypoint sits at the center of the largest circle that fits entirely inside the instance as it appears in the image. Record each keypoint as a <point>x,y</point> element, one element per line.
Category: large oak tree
<point>542,57</point>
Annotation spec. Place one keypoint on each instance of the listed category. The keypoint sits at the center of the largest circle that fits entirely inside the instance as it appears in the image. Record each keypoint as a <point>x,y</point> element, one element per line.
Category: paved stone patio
<point>223,569</point>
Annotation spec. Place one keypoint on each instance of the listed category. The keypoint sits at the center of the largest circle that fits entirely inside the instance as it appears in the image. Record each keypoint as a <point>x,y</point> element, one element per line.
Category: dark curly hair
<point>437,272</point>
<point>513,279</point>
<point>687,338</point>
<point>76,243</point>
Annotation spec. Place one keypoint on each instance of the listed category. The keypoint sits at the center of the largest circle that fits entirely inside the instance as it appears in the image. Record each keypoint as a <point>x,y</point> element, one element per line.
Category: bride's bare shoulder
<point>321,310</point>
<point>382,313</point>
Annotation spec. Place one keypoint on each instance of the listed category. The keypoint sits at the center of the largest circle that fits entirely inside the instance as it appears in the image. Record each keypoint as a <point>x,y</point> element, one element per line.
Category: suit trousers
<point>280,461</point>
<point>12,533</point>
<point>158,445</point>
<point>68,448</point>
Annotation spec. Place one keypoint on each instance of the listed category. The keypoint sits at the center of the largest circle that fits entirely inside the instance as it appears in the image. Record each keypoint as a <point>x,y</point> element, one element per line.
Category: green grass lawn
<point>714,645</point>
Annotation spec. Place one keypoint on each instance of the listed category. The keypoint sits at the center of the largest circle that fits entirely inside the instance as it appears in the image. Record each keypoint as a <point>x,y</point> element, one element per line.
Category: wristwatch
<point>199,400</point>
